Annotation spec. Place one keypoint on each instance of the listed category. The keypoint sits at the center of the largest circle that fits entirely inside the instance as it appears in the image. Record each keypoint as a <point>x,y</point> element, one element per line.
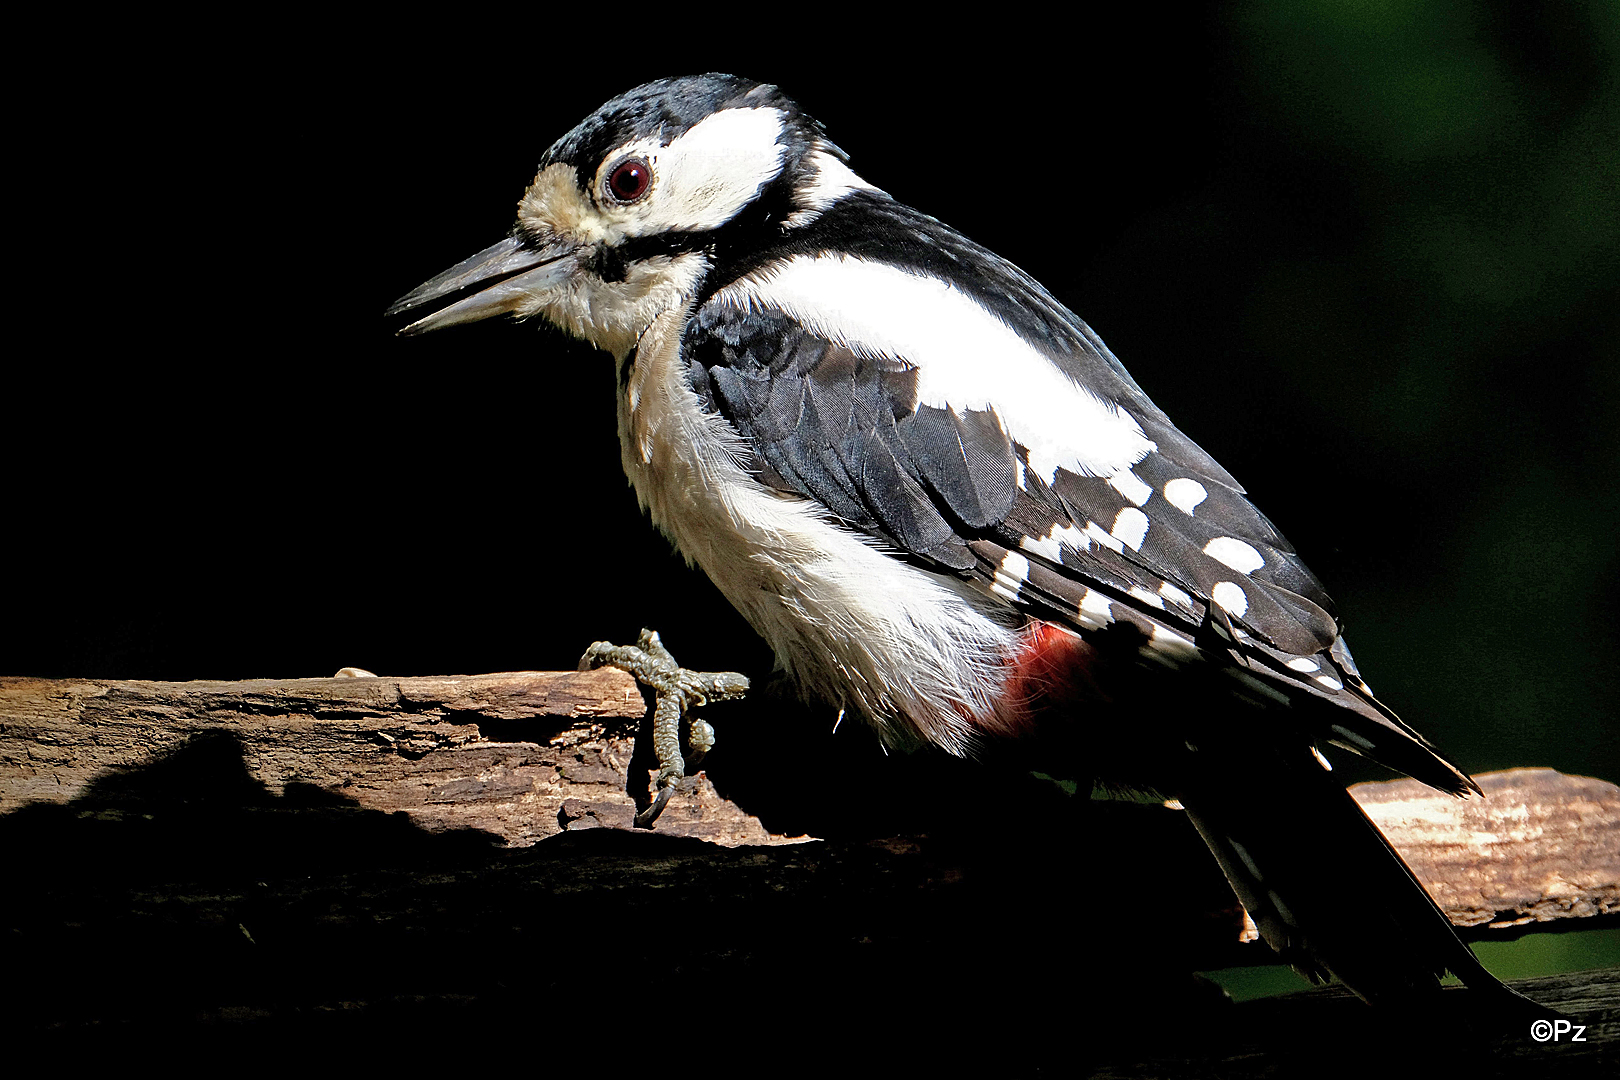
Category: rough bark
<point>348,858</point>
<point>522,755</point>
<point>526,755</point>
<point>1540,847</point>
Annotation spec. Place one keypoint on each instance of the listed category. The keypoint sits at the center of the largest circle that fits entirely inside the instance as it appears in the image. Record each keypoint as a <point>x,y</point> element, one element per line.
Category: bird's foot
<point>677,690</point>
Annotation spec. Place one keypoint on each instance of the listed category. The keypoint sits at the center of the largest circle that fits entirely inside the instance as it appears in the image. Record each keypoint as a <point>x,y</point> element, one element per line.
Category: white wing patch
<point>913,651</point>
<point>966,358</point>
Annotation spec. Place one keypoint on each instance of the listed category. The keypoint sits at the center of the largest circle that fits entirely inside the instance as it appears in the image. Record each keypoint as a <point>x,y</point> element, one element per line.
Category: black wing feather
<point>950,487</point>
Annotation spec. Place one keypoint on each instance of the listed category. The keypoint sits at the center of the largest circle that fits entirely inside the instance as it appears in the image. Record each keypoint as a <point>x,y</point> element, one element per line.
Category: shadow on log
<point>346,859</point>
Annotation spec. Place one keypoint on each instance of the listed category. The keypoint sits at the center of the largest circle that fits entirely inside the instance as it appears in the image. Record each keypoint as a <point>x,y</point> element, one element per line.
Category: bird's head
<point>632,208</point>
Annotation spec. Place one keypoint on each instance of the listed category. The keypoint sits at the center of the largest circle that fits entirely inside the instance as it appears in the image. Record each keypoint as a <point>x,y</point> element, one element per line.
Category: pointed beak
<point>513,272</point>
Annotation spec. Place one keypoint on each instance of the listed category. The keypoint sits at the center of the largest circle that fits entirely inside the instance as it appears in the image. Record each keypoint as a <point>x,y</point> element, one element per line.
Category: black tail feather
<point>1324,886</point>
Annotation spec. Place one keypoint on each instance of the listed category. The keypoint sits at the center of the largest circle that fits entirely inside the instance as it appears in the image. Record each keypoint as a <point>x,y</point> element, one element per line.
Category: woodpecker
<point>950,510</point>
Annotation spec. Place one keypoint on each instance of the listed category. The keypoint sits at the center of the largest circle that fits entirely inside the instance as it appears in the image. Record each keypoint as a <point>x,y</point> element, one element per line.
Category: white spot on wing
<point>1175,595</point>
<point>1169,641</point>
<point>1095,610</point>
<point>1330,682</point>
<point>1130,527</point>
<point>1150,599</point>
<point>1044,546</point>
<point>1010,575</point>
<point>1304,664</point>
<point>1071,536</point>
<point>1234,553</point>
<point>1131,486</point>
<point>1185,494</point>
<point>1231,597</point>
<point>966,357</point>
<point>1051,545</point>
<point>1111,542</point>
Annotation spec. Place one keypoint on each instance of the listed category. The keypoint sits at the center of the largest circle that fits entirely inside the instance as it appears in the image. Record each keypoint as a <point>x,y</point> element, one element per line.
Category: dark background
<point>1368,258</point>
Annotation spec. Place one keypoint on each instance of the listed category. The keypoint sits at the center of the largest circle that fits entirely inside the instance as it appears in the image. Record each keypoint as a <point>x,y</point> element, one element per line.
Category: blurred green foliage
<point>1461,316</point>
<point>1453,309</point>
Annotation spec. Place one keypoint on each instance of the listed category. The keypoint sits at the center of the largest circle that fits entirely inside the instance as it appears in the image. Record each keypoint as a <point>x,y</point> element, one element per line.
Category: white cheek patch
<point>704,177</point>
<point>966,358</point>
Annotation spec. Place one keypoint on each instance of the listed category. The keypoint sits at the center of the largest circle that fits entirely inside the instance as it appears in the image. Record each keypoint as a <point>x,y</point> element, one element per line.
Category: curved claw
<point>645,819</point>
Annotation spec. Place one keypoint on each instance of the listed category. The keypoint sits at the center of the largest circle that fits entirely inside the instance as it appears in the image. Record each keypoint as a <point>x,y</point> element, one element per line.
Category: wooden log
<point>526,755</point>
<point>521,755</point>
<point>274,856</point>
<point>1539,847</point>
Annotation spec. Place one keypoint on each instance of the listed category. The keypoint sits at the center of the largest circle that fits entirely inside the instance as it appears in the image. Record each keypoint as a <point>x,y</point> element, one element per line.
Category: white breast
<point>913,652</point>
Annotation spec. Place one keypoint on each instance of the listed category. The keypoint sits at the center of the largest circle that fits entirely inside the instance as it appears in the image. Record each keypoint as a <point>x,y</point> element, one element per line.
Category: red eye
<point>629,180</point>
